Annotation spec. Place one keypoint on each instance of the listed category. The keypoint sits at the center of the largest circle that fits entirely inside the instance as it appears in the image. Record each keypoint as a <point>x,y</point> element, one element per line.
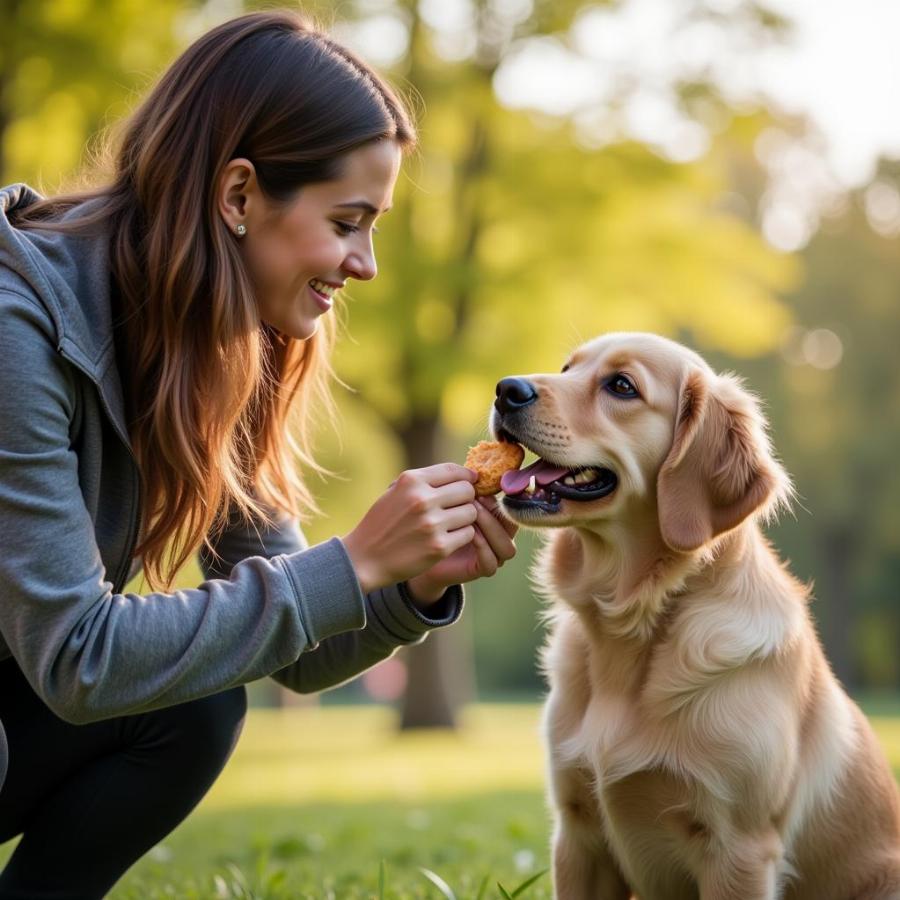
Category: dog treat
<point>490,459</point>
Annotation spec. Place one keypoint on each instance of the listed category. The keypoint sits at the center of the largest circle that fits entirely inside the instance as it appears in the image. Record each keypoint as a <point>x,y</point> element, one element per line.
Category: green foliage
<point>510,242</point>
<point>566,243</point>
<point>71,67</point>
<point>837,430</point>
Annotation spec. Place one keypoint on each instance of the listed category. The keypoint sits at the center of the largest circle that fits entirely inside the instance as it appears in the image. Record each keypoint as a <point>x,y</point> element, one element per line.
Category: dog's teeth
<point>532,485</point>
<point>569,479</point>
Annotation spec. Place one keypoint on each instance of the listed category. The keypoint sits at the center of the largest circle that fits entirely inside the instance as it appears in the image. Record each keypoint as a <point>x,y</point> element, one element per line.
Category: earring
<point>240,229</point>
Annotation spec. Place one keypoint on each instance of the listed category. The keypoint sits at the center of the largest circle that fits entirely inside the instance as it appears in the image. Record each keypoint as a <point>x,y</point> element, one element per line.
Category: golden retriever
<point>699,745</point>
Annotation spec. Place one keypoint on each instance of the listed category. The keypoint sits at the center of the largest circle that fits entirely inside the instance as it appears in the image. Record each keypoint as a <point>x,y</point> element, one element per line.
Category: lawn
<point>331,803</point>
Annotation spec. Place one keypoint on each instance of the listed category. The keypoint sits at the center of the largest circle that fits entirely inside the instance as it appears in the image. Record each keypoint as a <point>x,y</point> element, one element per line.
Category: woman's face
<point>299,254</point>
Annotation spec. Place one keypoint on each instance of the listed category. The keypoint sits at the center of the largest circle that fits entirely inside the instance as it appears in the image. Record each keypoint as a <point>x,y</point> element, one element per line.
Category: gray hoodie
<point>69,513</point>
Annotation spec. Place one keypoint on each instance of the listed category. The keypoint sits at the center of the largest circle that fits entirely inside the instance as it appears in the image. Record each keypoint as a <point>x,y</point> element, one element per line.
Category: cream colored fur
<point>699,745</point>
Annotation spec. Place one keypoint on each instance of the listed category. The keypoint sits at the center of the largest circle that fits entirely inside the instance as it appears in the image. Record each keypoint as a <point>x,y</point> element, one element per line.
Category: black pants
<point>89,800</point>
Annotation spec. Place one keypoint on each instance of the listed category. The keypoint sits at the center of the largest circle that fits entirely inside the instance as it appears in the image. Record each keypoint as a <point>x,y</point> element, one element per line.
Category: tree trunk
<point>440,669</point>
<point>838,624</point>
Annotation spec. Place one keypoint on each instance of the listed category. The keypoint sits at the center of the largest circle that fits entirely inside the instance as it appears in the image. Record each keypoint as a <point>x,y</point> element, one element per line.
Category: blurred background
<point>724,172</point>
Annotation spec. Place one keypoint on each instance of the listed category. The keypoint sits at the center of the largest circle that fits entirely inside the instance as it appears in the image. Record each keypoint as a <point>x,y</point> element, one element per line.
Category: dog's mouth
<point>543,485</point>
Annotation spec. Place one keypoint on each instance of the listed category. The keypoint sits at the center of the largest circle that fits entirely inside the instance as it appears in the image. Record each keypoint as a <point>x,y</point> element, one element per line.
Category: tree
<point>510,242</point>
<point>69,67</point>
<point>834,397</point>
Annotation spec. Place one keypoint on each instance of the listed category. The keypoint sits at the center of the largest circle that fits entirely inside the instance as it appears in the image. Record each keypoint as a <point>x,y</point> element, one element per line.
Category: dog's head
<point>636,424</point>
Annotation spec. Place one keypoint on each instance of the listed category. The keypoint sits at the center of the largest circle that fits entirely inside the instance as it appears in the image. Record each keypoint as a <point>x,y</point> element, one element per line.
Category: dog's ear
<point>720,468</point>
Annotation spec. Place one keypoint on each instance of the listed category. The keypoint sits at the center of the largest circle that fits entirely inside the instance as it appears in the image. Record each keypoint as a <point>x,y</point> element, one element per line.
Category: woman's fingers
<point>496,534</point>
<point>455,494</point>
<point>459,516</point>
<point>493,507</point>
<point>488,562</point>
<point>433,487</point>
<point>446,473</point>
<point>435,514</point>
<point>458,539</point>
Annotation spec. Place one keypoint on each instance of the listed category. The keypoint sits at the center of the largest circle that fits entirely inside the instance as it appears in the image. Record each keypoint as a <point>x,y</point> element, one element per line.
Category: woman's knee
<point>201,733</point>
<point>220,717</point>
<point>217,721</point>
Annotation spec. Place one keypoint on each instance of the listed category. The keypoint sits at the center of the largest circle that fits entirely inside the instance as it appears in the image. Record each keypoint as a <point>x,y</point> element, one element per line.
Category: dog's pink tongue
<point>516,480</point>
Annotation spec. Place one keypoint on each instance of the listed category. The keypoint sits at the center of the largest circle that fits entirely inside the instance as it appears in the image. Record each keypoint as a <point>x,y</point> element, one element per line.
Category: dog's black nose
<point>513,394</point>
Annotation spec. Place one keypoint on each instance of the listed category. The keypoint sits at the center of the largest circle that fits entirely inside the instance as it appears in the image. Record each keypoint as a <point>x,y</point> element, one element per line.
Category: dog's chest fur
<point>633,712</point>
<point>623,764</point>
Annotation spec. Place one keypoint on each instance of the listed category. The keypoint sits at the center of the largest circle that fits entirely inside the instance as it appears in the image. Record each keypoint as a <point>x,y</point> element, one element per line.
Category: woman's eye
<point>346,228</point>
<point>622,386</point>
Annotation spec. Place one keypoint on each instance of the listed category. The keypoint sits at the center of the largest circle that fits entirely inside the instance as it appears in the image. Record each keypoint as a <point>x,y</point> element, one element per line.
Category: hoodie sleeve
<point>91,653</point>
<point>391,622</point>
<point>391,618</point>
<point>240,540</point>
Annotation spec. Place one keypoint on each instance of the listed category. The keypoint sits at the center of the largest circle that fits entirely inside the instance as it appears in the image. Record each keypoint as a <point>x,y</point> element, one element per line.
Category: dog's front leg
<point>583,866</point>
<point>585,873</point>
<point>745,867</point>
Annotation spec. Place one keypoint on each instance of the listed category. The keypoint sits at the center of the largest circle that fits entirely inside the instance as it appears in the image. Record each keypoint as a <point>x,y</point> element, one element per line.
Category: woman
<point>154,335</point>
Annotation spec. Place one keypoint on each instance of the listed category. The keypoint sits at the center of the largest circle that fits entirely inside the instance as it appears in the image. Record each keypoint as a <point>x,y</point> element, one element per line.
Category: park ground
<point>332,803</point>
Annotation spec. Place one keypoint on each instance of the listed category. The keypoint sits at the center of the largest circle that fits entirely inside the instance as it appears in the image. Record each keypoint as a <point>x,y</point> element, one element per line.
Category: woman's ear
<point>720,468</point>
<point>235,190</point>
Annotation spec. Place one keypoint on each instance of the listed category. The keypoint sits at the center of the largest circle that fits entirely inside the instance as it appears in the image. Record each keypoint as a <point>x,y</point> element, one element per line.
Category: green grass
<point>336,850</point>
<point>332,804</point>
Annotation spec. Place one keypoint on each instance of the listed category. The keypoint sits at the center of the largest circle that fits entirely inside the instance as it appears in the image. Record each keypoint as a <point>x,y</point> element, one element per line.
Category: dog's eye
<point>565,368</point>
<point>621,386</point>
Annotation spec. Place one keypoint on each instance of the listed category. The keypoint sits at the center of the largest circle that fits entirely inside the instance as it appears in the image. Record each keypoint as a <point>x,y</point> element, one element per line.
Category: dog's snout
<point>513,394</point>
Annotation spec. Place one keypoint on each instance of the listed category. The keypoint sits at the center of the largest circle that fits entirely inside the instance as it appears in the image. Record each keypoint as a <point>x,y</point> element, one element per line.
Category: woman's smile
<point>323,292</point>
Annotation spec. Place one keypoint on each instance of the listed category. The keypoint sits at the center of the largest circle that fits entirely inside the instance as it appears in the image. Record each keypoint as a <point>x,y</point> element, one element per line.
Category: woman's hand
<point>490,548</point>
<point>425,516</point>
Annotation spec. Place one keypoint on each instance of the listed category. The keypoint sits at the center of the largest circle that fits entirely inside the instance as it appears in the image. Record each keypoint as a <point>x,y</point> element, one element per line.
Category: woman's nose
<point>361,265</point>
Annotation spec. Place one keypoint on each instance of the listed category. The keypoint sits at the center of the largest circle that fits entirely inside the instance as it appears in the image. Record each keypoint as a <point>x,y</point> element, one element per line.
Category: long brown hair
<point>209,387</point>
